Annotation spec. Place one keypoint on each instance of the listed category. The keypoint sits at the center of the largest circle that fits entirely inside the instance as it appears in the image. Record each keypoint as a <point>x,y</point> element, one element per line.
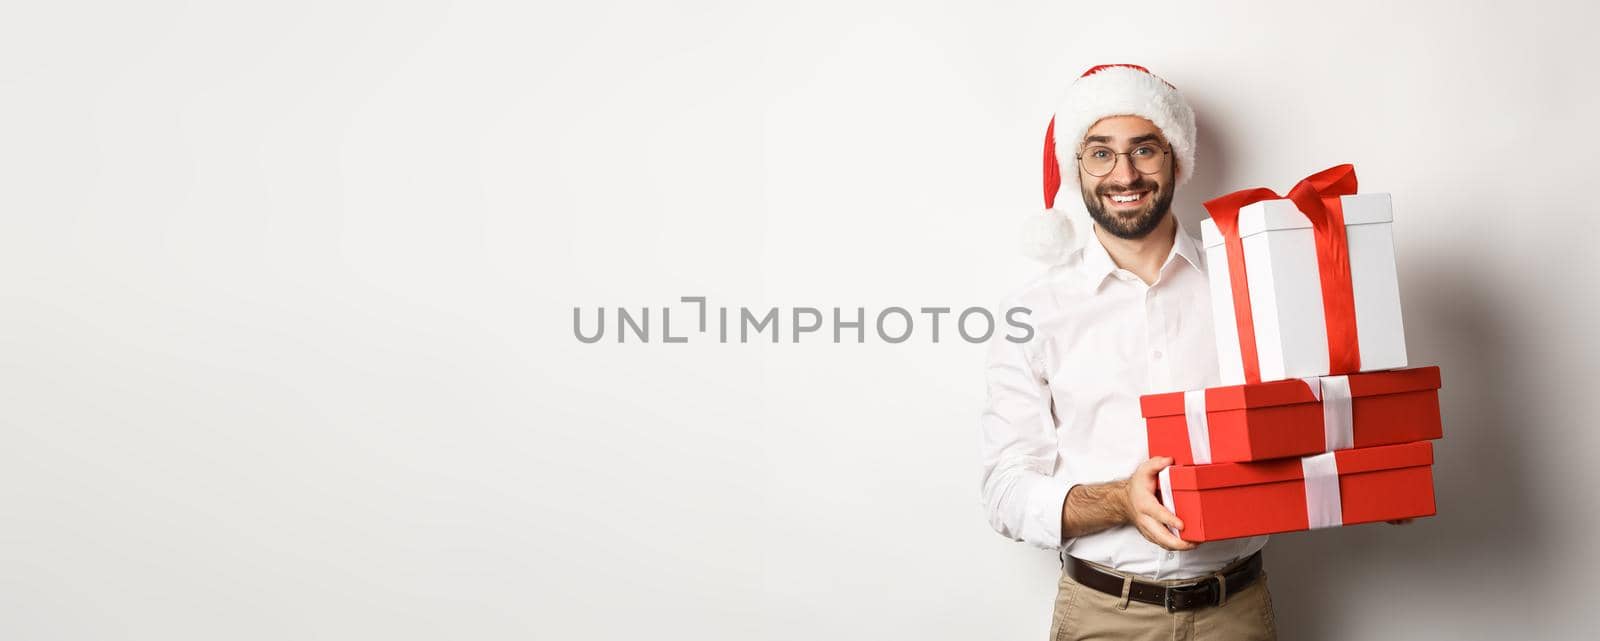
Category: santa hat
<point>1101,92</point>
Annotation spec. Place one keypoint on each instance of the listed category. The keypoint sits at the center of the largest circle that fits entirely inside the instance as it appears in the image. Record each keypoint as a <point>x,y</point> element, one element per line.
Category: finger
<point>1159,535</point>
<point>1165,516</point>
<point>1147,475</point>
<point>1153,465</point>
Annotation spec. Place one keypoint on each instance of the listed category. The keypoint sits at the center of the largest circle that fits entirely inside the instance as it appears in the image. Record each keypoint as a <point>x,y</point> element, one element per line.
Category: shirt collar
<point>1097,263</point>
<point>1183,245</point>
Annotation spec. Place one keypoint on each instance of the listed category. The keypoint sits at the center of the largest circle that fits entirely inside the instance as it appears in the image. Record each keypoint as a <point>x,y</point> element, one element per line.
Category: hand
<point>1146,513</point>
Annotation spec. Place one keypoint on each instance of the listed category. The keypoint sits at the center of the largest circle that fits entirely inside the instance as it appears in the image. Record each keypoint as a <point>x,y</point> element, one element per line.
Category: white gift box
<point>1286,290</point>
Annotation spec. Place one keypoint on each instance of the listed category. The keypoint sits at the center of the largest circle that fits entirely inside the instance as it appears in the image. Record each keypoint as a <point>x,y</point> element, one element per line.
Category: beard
<point>1128,224</point>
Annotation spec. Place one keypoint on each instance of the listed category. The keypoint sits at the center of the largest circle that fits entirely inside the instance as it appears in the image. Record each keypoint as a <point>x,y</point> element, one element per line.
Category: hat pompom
<point>1049,237</point>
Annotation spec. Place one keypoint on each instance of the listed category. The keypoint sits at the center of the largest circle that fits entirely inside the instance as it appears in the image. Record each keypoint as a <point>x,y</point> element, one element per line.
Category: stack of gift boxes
<point>1319,422</point>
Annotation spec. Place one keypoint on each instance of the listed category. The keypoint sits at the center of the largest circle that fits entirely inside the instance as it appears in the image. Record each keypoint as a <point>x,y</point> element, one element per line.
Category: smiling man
<point>1133,203</point>
<point>1125,312</point>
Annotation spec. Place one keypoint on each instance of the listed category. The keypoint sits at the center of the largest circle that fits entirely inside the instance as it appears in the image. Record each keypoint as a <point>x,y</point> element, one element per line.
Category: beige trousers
<point>1082,613</point>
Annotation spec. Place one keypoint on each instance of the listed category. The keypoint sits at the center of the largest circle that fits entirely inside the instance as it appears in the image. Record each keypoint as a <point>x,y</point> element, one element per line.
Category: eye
<point>1099,153</point>
<point>1145,150</point>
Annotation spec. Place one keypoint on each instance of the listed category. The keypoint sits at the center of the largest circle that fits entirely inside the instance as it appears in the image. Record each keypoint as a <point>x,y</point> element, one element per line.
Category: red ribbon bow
<point>1317,196</point>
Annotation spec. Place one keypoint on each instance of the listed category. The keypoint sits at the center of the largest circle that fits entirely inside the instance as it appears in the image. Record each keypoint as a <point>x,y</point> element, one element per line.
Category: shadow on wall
<point>1486,529</point>
<point>1212,178</point>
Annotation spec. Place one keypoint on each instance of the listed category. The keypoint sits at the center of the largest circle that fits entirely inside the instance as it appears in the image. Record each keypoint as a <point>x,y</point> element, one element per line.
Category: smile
<point>1128,199</point>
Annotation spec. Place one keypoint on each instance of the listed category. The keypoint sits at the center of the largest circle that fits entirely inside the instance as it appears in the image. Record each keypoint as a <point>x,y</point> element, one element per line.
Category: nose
<point>1123,173</point>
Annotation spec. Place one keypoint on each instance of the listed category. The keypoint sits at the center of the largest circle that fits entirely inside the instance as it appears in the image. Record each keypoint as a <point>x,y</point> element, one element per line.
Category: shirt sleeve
<point>1019,449</point>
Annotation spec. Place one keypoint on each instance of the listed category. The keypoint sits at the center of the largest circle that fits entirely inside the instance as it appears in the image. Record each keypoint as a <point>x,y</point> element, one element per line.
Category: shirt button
<point>1156,353</point>
<point>1170,555</point>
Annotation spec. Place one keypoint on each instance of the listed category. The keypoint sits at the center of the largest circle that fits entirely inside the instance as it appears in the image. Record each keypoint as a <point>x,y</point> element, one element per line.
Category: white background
<point>286,346</point>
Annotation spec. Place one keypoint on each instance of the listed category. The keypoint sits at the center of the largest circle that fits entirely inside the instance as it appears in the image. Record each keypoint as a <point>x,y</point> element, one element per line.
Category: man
<point>1065,465</point>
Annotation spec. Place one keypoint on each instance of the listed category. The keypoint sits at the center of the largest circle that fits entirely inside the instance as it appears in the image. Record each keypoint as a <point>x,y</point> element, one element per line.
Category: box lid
<point>1291,391</point>
<point>1273,215</point>
<point>1356,461</point>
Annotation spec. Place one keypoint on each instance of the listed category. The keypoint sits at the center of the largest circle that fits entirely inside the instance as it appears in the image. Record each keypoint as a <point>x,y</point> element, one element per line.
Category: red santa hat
<point>1101,92</point>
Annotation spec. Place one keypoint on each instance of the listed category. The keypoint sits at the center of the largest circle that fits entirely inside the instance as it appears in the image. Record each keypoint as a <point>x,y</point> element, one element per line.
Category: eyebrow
<point>1133,141</point>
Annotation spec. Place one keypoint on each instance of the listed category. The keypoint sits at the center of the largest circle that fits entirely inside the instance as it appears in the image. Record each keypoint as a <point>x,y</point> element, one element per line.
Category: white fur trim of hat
<point>1101,92</point>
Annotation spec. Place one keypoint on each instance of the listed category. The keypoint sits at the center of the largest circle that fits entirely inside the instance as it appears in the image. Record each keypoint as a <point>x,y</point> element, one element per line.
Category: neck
<point>1142,256</point>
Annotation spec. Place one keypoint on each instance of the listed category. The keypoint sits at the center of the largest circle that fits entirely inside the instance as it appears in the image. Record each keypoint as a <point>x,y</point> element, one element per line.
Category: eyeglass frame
<point>1165,152</point>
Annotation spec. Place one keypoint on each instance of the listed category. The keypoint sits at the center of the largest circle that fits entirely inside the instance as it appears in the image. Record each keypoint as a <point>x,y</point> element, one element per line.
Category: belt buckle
<point>1172,607</point>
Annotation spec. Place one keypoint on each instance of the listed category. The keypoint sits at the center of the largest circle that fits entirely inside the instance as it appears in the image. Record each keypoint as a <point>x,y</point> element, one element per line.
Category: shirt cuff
<point>1042,527</point>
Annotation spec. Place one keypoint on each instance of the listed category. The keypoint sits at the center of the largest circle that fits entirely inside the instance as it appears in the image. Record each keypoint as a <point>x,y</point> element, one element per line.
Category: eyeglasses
<point>1099,161</point>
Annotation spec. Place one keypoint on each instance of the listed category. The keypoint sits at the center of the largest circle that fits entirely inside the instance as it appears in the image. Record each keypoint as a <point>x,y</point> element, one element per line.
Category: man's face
<point>1125,202</point>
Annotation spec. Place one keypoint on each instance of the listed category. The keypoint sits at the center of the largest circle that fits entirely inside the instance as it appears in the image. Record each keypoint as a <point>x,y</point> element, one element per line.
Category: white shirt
<point>1063,408</point>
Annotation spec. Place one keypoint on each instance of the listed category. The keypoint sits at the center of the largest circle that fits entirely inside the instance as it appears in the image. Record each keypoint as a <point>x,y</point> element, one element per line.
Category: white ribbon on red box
<point>1164,480</point>
<point>1338,417</point>
<point>1194,416</point>
<point>1324,506</point>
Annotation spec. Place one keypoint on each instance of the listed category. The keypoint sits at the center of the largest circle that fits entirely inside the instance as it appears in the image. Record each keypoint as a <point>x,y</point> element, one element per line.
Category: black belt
<point>1203,593</point>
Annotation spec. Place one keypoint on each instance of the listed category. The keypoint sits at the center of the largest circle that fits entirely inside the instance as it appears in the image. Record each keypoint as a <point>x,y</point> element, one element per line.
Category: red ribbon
<point>1317,196</point>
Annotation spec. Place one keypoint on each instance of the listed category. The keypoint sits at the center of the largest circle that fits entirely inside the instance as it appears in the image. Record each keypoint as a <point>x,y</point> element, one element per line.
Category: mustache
<point>1138,185</point>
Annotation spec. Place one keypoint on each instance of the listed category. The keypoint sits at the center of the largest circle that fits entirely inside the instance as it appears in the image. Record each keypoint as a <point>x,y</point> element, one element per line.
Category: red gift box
<point>1261,421</point>
<point>1231,500</point>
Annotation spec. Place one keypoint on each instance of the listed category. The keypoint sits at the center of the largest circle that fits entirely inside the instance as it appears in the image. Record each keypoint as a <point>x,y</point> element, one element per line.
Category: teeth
<point>1126,199</point>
